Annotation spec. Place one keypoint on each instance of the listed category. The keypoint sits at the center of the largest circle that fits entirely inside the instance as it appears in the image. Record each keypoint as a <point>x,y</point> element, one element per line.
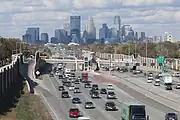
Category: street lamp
<point>20,43</point>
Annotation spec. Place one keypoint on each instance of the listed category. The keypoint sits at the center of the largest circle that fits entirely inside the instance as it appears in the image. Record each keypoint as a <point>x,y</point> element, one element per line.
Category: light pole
<point>146,59</point>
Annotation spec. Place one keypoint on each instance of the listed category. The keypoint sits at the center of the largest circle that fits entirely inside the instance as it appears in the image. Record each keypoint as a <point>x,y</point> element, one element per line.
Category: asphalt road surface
<point>60,106</point>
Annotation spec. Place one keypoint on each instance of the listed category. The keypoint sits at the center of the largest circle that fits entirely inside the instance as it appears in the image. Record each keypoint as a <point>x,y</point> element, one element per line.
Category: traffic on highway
<point>82,97</point>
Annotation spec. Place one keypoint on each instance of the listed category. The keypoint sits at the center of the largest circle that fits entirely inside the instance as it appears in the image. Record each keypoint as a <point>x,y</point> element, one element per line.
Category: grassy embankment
<point>29,107</point>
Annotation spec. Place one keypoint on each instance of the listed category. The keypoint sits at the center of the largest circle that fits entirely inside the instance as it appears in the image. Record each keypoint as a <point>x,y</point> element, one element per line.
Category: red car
<point>74,113</point>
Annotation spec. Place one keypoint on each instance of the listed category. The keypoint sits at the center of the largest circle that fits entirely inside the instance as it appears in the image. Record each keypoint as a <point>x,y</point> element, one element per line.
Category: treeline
<point>9,46</point>
<point>167,49</point>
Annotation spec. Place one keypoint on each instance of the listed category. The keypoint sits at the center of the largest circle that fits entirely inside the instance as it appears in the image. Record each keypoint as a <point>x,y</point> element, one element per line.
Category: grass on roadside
<point>29,107</point>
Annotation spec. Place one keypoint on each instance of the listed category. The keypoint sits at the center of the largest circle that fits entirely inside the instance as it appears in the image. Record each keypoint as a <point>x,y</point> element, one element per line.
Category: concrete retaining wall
<point>9,75</point>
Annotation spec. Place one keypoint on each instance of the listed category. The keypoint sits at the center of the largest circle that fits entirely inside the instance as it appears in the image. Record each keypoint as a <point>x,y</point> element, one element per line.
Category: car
<point>71,87</point>
<point>74,113</point>
<point>111,95</point>
<point>61,88</point>
<point>156,83</point>
<point>168,87</point>
<point>95,86</point>
<point>171,116</point>
<point>160,74</point>
<point>89,105</point>
<point>178,86</point>
<point>61,77</point>
<point>76,82</point>
<point>110,106</point>
<point>76,100</point>
<point>65,94</point>
<point>176,74</point>
<point>103,91</point>
<point>91,91</point>
<point>110,87</point>
<point>95,94</point>
<point>67,83</point>
<point>87,85</point>
<point>77,90</point>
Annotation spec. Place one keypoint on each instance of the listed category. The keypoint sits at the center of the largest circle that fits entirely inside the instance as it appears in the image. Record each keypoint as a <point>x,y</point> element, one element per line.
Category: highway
<point>60,106</point>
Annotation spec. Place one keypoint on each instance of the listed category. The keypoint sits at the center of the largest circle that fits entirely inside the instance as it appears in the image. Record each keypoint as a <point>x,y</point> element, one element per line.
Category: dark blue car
<point>76,100</point>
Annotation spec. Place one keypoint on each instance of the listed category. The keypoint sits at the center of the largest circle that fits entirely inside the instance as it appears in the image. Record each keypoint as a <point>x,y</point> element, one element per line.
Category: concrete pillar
<point>5,80</point>
<point>8,79</point>
<point>98,61</point>
<point>176,64</point>
<point>1,84</point>
<point>76,64</point>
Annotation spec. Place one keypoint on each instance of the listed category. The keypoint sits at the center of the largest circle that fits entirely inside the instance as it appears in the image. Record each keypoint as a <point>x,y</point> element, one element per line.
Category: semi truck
<point>133,111</point>
<point>83,77</point>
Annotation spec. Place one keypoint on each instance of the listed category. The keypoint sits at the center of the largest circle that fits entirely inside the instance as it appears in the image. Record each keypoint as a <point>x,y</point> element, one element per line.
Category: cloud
<point>40,16</point>
<point>143,15</point>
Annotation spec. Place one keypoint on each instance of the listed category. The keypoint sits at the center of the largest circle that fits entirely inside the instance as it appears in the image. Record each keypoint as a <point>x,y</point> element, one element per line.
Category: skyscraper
<point>91,31</point>
<point>117,23</point>
<point>44,37</point>
<point>60,35</point>
<point>75,26</point>
<point>26,38</point>
<point>34,33</point>
<point>136,36</point>
<point>143,35</point>
<point>66,27</point>
<point>103,33</point>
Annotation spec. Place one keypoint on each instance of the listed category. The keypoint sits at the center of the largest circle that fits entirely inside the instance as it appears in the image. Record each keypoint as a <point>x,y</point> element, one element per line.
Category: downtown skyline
<point>154,18</point>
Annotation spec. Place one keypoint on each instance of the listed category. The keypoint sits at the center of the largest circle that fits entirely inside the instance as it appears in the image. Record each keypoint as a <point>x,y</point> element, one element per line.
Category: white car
<point>110,87</point>
<point>176,74</point>
<point>156,83</point>
<point>71,88</point>
<point>149,80</point>
<point>178,86</point>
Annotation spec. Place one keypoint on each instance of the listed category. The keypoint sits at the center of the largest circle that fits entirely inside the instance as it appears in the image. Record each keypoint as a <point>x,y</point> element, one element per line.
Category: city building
<point>143,36</point>
<point>85,37</point>
<point>168,37</point>
<point>131,35</point>
<point>66,27</point>
<point>26,38</point>
<point>75,27</point>
<point>60,35</point>
<point>136,36</point>
<point>44,37</point>
<point>54,40</point>
<point>117,24</point>
<point>103,33</point>
<point>34,33</point>
<point>91,31</point>
<point>124,33</point>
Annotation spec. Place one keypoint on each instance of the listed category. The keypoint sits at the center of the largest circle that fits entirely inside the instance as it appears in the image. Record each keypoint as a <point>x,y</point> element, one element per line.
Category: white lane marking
<point>56,94</point>
<point>52,109</point>
<point>78,105</point>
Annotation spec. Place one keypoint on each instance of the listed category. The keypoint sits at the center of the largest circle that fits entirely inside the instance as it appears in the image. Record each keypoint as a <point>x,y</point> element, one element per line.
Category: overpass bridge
<point>78,61</point>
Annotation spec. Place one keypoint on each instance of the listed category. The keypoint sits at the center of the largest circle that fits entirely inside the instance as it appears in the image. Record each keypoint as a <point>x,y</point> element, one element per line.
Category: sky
<point>151,16</point>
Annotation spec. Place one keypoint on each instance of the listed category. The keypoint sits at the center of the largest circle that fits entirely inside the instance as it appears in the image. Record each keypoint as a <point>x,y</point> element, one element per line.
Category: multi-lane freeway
<point>124,92</point>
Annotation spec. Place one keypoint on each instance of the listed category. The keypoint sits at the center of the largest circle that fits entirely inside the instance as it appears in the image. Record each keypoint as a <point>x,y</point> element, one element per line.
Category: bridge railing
<point>174,64</point>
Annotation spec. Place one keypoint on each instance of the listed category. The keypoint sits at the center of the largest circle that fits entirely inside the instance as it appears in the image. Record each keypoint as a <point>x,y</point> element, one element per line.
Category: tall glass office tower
<point>75,26</point>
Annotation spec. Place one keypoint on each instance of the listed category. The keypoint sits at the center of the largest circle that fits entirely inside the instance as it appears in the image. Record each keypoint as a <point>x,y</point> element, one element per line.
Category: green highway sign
<point>160,59</point>
<point>60,47</point>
